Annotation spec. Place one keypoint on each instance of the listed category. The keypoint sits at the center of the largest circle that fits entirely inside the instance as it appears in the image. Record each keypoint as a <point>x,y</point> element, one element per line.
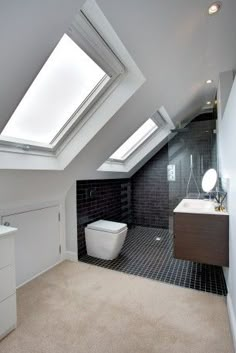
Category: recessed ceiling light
<point>208,102</point>
<point>209,81</point>
<point>214,8</point>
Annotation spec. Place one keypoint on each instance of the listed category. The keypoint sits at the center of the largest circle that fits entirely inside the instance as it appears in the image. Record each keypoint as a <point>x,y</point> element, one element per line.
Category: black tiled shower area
<point>147,252</point>
<point>146,202</point>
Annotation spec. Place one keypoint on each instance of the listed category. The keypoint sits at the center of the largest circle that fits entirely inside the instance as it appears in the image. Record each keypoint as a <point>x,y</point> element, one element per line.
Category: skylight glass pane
<point>135,140</point>
<point>64,82</point>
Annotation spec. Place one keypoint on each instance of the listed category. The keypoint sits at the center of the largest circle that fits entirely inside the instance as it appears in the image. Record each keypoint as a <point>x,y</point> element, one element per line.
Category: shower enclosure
<point>191,152</point>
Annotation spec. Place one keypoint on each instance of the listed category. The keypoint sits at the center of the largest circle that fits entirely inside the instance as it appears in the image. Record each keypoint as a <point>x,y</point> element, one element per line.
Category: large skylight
<point>134,141</point>
<point>63,84</point>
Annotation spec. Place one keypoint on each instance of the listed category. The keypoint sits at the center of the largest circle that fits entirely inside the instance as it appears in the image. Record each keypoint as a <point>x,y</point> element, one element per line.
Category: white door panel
<point>37,241</point>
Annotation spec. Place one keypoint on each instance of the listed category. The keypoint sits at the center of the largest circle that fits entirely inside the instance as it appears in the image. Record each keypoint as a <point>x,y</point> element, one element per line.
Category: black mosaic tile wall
<point>101,199</point>
<point>150,192</point>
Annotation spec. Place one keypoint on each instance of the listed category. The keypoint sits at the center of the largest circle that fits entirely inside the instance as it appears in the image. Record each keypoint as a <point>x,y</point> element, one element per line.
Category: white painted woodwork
<point>37,242</point>
<point>7,281</point>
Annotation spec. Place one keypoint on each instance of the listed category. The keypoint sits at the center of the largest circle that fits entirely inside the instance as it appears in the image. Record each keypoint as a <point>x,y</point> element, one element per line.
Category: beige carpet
<point>80,308</point>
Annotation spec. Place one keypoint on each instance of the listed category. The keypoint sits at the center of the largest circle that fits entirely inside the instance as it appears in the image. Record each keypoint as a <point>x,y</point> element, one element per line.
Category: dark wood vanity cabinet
<point>202,238</point>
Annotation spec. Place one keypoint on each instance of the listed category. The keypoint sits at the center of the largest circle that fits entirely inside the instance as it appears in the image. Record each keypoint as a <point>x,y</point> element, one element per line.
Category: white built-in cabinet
<point>37,244</point>
<point>7,281</point>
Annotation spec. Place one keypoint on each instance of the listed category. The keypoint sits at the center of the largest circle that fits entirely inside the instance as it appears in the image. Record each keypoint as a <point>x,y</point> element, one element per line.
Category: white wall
<point>71,224</point>
<point>227,159</point>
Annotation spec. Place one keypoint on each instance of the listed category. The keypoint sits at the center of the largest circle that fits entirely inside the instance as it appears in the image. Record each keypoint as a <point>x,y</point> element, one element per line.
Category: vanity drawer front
<point>6,251</point>
<point>7,282</point>
<point>7,315</point>
<point>202,238</point>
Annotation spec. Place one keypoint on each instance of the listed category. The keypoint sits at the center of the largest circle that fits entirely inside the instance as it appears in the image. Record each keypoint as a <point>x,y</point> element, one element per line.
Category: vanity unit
<point>201,234</point>
<point>7,281</point>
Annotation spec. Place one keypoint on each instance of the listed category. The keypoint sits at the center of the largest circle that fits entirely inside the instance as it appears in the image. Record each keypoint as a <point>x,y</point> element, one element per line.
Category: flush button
<point>171,172</point>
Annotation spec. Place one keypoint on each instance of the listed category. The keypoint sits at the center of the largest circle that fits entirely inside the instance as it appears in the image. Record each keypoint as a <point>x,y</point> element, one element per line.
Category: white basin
<point>198,206</point>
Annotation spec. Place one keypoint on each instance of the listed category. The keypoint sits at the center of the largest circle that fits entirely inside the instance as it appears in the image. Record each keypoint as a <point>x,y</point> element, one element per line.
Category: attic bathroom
<point>146,203</point>
<point>117,177</point>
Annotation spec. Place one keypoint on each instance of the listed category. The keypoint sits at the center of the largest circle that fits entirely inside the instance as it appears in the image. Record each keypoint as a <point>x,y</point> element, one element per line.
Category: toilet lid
<point>107,226</point>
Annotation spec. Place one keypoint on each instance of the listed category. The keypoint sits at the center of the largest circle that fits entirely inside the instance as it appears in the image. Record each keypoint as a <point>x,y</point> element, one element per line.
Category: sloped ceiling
<point>176,45</point>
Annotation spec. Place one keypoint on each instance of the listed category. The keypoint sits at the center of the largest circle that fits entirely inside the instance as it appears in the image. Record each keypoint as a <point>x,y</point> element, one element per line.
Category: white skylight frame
<point>151,126</point>
<point>66,81</point>
<point>134,141</point>
<point>83,33</point>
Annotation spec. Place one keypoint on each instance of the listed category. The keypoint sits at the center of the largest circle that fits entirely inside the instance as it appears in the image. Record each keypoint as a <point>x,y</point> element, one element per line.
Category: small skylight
<point>134,141</point>
<point>65,82</point>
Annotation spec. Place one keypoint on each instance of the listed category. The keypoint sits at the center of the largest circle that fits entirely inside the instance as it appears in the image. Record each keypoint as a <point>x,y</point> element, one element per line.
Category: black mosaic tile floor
<point>143,255</point>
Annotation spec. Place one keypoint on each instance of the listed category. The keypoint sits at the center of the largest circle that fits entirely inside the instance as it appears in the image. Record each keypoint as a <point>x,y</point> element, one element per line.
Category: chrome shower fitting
<point>191,176</point>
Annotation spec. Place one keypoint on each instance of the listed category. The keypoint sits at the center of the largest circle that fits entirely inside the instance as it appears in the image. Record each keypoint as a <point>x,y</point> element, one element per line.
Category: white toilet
<point>104,239</point>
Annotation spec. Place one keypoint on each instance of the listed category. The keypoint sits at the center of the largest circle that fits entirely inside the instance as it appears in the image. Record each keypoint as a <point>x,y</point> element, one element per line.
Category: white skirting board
<point>71,256</point>
<point>39,274</point>
<point>232,319</point>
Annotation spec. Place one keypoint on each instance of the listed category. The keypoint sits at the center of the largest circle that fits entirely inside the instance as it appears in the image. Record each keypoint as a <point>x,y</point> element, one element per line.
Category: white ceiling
<point>176,45</point>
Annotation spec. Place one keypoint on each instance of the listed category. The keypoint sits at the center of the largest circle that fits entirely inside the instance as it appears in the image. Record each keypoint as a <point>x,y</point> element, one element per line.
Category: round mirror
<point>209,180</point>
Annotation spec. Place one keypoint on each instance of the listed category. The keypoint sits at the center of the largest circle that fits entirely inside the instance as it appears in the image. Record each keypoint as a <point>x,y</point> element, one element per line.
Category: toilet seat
<point>107,226</point>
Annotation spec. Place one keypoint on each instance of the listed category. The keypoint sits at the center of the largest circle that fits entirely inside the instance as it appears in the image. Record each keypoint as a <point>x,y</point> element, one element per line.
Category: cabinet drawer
<point>7,282</point>
<point>7,315</point>
<point>202,238</point>
<point>6,251</point>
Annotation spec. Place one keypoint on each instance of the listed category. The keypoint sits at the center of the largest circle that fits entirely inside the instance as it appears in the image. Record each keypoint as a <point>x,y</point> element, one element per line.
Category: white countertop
<point>6,230</point>
<point>199,207</point>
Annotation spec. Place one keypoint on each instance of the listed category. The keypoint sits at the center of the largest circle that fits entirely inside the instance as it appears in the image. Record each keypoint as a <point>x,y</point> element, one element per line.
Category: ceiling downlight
<point>214,8</point>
